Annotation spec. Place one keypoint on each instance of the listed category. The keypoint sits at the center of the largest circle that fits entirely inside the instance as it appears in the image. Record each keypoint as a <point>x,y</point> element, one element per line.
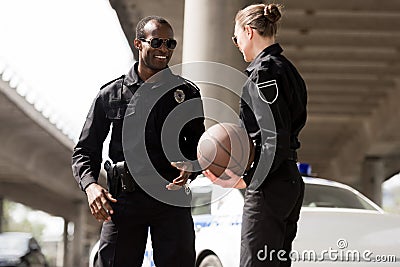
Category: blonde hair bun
<point>272,12</point>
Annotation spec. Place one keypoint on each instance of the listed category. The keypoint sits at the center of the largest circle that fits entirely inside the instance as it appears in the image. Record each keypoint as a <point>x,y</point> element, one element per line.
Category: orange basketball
<point>225,146</point>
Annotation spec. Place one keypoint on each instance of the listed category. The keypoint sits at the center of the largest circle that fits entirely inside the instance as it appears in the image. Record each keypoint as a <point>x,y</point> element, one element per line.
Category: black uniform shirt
<point>280,86</point>
<point>108,109</point>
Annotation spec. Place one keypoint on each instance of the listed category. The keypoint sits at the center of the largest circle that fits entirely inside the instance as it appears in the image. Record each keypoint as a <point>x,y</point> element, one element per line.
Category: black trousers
<point>270,216</point>
<point>123,239</point>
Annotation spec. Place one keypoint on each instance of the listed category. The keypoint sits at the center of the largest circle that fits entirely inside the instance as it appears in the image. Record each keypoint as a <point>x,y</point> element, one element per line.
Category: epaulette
<point>110,82</point>
<point>193,85</point>
<point>267,62</point>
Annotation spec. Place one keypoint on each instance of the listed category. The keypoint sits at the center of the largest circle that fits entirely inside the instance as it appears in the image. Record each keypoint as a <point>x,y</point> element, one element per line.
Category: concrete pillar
<point>208,28</point>
<point>373,175</point>
<point>80,257</point>
<point>66,263</point>
<point>207,32</point>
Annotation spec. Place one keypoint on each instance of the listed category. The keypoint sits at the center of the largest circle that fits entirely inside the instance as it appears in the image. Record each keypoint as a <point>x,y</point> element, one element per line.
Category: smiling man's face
<point>156,59</point>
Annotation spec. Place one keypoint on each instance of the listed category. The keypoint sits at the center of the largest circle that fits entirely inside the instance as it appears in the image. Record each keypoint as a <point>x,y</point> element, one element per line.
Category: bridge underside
<point>347,51</point>
<point>35,167</point>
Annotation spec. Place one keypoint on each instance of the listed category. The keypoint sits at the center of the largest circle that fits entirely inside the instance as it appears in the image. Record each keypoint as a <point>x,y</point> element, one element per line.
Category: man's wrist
<point>86,181</point>
<point>87,186</point>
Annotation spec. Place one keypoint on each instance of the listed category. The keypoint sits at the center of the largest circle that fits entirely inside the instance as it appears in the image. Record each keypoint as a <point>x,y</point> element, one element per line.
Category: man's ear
<point>138,44</point>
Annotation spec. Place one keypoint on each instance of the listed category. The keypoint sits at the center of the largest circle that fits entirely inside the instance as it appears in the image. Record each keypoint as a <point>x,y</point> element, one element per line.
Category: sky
<point>60,52</point>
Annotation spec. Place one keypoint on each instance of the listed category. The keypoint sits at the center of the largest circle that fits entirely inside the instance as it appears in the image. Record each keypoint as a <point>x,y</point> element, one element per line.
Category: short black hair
<point>140,26</point>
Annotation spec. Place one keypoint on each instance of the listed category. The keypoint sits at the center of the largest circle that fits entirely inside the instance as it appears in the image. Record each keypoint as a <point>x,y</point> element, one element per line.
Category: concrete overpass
<point>35,170</point>
<point>347,51</point>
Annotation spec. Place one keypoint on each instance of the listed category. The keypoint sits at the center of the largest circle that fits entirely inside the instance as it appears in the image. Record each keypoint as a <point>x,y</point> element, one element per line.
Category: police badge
<point>179,96</point>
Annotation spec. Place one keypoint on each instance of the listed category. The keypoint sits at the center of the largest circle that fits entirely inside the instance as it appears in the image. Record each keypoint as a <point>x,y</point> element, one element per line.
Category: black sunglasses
<point>157,42</point>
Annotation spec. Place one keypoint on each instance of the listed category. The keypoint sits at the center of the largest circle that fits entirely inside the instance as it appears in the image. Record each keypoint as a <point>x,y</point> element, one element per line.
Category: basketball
<point>225,146</point>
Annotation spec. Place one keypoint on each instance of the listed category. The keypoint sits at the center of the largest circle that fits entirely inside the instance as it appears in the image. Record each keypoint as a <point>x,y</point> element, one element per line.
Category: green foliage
<point>21,224</point>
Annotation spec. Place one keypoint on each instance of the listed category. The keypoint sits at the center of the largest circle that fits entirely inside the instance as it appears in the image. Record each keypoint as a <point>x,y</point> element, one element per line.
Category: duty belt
<point>119,179</point>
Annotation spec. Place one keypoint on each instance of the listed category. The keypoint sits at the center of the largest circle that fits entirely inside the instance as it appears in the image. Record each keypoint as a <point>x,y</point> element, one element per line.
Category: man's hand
<point>185,171</point>
<point>98,198</point>
<point>234,181</point>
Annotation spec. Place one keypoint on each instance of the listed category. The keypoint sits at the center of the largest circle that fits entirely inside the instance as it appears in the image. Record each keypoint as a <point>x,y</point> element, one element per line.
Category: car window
<point>316,195</point>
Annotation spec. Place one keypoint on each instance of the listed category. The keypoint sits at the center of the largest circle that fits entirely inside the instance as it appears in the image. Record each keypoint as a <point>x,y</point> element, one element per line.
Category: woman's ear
<point>138,44</point>
<point>249,31</point>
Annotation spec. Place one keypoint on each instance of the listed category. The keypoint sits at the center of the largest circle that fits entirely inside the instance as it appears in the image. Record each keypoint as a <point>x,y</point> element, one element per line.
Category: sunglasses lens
<point>156,42</point>
<point>171,43</point>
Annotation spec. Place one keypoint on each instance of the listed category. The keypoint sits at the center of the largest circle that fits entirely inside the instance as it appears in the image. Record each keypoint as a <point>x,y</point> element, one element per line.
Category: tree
<point>15,219</point>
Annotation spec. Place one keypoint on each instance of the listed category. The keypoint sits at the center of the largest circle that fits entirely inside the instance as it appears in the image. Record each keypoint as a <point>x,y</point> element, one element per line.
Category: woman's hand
<point>233,182</point>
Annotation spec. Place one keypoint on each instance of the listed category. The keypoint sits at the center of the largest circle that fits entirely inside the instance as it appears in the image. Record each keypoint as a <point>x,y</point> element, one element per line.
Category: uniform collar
<point>132,78</point>
<point>273,50</point>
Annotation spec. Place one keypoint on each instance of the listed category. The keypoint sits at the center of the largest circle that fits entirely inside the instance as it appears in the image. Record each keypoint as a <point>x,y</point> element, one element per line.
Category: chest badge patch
<point>268,91</point>
<point>179,96</point>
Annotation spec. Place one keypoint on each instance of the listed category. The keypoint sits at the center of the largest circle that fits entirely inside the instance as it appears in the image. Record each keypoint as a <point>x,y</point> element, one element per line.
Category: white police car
<point>338,225</point>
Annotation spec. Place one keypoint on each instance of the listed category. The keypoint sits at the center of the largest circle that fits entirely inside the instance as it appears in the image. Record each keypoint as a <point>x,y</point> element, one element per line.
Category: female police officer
<point>272,206</point>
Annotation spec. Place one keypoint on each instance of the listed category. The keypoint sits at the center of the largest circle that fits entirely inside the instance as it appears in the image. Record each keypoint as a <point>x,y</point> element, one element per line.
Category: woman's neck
<point>260,44</point>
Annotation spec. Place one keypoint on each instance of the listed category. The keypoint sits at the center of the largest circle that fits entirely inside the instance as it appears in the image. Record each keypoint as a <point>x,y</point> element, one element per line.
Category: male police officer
<point>128,215</point>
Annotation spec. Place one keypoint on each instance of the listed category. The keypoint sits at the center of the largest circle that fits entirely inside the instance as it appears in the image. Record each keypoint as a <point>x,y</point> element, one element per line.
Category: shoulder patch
<point>268,91</point>
<point>110,82</point>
